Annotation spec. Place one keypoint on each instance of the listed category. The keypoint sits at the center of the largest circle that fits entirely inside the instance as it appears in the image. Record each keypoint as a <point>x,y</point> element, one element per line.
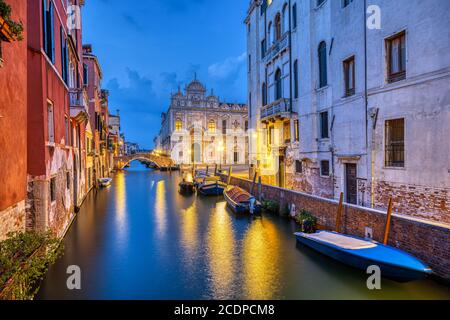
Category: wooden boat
<point>240,200</point>
<point>211,186</point>
<point>104,182</point>
<point>361,253</point>
<point>187,186</point>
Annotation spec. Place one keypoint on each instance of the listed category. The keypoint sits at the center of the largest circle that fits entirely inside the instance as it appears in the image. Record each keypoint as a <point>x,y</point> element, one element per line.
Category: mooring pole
<point>259,189</point>
<point>229,174</point>
<point>339,213</point>
<point>388,222</point>
<point>215,170</point>
<point>253,184</point>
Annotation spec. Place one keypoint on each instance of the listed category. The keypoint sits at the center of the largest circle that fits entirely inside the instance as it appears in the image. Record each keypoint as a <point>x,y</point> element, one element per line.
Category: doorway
<point>281,172</point>
<point>351,184</point>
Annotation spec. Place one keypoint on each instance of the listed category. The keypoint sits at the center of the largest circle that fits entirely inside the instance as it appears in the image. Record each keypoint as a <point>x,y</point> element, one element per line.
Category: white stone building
<point>346,108</point>
<point>199,129</point>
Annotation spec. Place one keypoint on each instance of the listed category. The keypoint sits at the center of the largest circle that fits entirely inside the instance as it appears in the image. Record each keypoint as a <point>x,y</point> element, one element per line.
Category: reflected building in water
<point>199,129</point>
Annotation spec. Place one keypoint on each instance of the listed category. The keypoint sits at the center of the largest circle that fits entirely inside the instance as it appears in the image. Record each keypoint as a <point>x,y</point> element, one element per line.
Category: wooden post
<point>253,184</point>
<point>229,174</point>
<point>215,170</point>
<point>388,222</point>
<point>259,189</point>
<point>339,213</point>
<point>207,170</point>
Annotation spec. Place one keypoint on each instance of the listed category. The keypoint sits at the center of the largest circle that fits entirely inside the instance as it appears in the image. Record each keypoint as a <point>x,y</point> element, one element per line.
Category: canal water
<point>141,239</point>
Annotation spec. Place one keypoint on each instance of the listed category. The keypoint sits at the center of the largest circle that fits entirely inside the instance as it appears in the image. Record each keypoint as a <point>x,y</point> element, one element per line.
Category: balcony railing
<point>78,98</point>
<point>277,47</point>
<point>277,108</point>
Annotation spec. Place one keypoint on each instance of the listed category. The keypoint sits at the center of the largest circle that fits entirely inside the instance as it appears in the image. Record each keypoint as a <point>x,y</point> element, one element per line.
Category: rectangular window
<point>67,131</point>
<point>246,126</point>
<point>296,79</point>
<point>50,123</point>
<point>297,130</point>
<point>349,76</point>
<point>396,57</point>
<point>53,189</point>
<point>294,16</point>
<point>50,33</point>
<point>325,168</point>
<point>298,166</point>
<point>68,180</point>
<point>395,143</point>
<point>271,136</point>
<point>263,48</point>
<point>85,74</point>
<point>287,131</point>
<point>346,3</point>
<point>324,131</point>
<point>224,126</point>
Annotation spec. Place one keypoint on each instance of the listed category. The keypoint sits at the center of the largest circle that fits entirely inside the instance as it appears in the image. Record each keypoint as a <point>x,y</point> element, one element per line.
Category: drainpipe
<point>290,59</point>
<point>366,102</point>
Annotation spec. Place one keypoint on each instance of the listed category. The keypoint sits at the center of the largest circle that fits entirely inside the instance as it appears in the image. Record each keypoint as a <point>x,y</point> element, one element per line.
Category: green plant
<point>271,206</point>
<point>24,260</point>
<point>307,221</point>
<point>15,27</point>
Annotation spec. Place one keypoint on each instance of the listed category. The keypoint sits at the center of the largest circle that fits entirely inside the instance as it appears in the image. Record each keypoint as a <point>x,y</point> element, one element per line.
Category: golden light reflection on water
<point>189,232</point>
<point>261,261</point>
<point>121,205</point>
<point>160,207</point>
<point>221,252</point>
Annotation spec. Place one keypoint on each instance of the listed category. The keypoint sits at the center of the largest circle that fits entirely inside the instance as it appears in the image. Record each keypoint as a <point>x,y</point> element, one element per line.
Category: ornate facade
<point>199,129</point>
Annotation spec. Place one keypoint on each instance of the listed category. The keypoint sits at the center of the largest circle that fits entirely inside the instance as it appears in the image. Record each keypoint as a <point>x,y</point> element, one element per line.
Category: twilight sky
<point>148,48</point>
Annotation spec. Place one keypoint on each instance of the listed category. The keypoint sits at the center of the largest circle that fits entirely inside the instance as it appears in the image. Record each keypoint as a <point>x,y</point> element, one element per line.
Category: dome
<point>195,87</point>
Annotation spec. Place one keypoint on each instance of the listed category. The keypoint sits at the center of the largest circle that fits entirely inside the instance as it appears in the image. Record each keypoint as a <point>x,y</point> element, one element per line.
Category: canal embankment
<point>426,240</point>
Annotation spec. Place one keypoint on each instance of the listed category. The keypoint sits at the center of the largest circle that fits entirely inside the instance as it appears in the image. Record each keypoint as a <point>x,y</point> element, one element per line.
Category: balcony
<point>276,110</point>
<point>78,104</point>
<point>277,48</point>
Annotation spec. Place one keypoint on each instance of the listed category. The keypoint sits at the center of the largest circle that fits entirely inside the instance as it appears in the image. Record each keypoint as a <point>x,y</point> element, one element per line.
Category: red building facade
<point>13,123</point>
<point>50,159</point>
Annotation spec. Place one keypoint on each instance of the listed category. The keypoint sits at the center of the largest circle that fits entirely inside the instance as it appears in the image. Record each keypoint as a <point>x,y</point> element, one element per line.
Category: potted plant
<point>10,30</point>
<point>307,221</point>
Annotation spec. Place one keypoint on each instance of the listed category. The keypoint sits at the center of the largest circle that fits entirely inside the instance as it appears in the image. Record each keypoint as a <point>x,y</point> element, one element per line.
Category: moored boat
<point>360,253</point>
<point>211,186</point>
<point>104,182</point>
<point>240,201</point>
<point>187,186</point>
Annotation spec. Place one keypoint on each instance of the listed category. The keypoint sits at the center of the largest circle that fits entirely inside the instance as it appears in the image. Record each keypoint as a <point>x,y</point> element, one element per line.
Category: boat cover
<point>340,240</point>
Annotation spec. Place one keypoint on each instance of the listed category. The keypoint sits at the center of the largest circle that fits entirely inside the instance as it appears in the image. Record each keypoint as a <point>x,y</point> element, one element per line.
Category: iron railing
<point>275,108</point>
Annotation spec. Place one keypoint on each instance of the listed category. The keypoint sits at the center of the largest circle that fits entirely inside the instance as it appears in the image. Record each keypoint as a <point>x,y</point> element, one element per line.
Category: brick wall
<point>428,241</point>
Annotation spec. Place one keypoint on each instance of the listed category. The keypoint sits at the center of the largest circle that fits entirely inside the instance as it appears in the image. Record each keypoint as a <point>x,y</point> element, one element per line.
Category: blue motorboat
<point>362,253</point>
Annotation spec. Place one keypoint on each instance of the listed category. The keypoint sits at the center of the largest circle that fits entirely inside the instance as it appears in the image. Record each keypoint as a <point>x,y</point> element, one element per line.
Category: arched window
<point>264,94</point>
<point>278,84</point>
<point>178,125</point>
<point>269,33</point>
<point>277,27</point>
<point>322,55</point>
<point>212,126</point>
<point>285,18</point>
<point>296,79</point>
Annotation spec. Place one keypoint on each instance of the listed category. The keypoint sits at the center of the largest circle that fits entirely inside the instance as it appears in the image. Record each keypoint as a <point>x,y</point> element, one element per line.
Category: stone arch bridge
<point>157,160</point>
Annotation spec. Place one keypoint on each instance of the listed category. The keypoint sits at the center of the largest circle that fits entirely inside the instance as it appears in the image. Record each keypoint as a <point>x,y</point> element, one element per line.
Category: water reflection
<point>120,198</point>
<point>221,253</point>
<point>190,234</point>
<point>160,207</point>
<point>261,261</point>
